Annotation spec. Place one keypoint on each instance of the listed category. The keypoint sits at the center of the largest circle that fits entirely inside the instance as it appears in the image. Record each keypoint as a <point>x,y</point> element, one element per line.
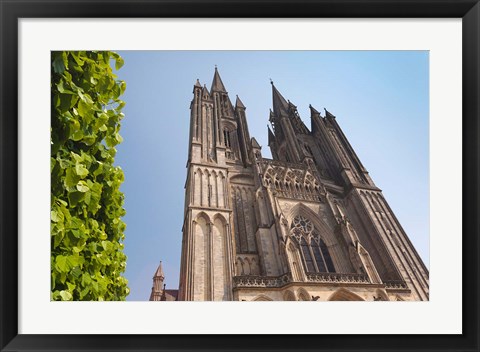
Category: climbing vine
<point>87,259</point>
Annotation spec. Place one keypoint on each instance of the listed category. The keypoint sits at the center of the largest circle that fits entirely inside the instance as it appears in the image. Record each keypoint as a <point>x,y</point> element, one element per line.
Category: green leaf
<point>85,110</point>
<point>58,64</point>
<point>75,197</point>
<point>55,216</point>
<point>66,296</point>
<point>74,260</point>
<point>62,89</point>
<point>71,178</point>
<point>82,186</point>
<point>81,170</point>
<point>119,63</point>
<point>61,263</point>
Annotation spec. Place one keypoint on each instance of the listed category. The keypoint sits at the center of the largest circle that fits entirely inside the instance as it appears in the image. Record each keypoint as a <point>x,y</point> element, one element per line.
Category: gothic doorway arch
<point>344,295</point>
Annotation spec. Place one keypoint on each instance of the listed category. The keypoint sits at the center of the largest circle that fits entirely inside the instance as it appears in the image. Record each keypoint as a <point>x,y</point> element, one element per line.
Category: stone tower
<point>309,224</point>
<point>159,291</point>
<point>158,288</point>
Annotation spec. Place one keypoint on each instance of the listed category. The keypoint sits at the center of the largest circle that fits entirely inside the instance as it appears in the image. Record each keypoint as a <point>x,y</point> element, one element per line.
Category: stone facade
<point>307,225</point>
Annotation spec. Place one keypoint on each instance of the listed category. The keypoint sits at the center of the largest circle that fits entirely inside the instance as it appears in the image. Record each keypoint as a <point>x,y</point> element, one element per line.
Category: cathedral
<point>307,225</point>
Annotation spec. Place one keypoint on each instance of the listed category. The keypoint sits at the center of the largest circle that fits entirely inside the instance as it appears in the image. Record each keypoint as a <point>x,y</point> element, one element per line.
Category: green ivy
<point>87,259</point>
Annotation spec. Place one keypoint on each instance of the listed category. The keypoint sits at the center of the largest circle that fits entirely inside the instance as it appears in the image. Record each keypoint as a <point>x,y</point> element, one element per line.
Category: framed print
<point>293,225</point>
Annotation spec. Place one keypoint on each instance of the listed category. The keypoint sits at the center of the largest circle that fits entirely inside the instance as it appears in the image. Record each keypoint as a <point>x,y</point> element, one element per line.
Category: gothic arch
<point>247,268</point>
<point>315,240</point>
<point>262,298</point>
<point>219,250</point>
<point>296,265</point>
<point>220,217</point>
<point>303,295</point>
<point>228,125</point>
<point>343,294</point>
<point>201,226</point>
<point>321,226</point>
<point>239,265</point>
<point>203,215</point>
<point>289,296</point>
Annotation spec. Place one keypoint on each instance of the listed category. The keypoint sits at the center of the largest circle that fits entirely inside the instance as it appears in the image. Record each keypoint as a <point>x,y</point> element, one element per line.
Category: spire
<point>239,104</point>
<point>255,144</point>
<point>205,93</point>
<point>313,111</point>
<point>197,84</point>
<point>328,114</point>
<point>159,272</point>
<point>217,84</point>
<point>280,105</point>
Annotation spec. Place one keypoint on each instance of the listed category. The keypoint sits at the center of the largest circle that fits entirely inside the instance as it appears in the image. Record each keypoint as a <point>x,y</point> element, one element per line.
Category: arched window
<point>315,255</point>
<point>226,138</point>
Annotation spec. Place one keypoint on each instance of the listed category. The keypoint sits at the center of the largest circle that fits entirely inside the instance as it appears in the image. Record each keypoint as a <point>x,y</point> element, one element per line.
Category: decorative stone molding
<point>337,278</point>
<point>396,284</point>
<point>261,281</point>
<point>247,281</point>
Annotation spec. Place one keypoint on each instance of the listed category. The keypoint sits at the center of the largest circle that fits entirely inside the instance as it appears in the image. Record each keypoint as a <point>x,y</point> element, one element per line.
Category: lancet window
<point>315,255</point>
<point>226,138</point>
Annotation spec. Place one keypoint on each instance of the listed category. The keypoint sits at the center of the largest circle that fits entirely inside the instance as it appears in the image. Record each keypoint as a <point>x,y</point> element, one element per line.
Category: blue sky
<point>380,98</point>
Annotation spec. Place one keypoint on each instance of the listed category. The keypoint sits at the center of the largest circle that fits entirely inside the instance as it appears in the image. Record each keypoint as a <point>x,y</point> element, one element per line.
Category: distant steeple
<point>159,273</point>
<point>217,84</point>
<point>239,104</point>
<point>280,105</point>
<point>197,84</point>
<point>157,291</point>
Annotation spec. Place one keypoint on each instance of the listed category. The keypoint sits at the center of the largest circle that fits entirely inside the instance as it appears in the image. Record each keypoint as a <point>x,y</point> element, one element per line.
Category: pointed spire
<point>239,104</point>
<point>159,272</point>
<point>313,111</point>
<point>205,92</point>
<point>217,84</point>
<point>197,84</point>
<point>328,114</point>
<point>255,144</point>
<point>280,105</point>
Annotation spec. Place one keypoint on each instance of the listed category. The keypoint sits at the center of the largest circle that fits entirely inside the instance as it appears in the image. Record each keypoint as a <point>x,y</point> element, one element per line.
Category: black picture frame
<point>11,11</point>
